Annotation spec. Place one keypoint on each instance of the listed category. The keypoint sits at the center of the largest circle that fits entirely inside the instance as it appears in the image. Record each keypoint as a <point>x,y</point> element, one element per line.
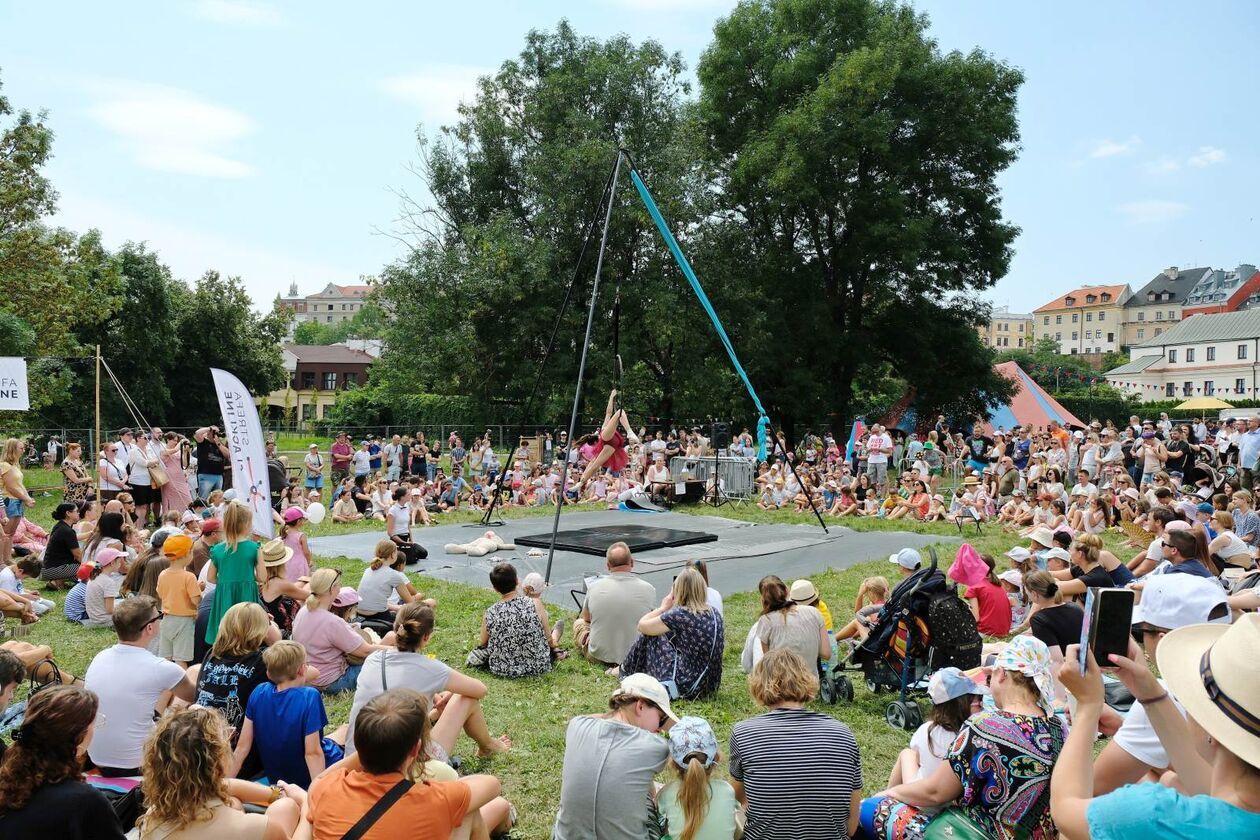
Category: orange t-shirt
<point>178,591</point>
<point>429,809</point>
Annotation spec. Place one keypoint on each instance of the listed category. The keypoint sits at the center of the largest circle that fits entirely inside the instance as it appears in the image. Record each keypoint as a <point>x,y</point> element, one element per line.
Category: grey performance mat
<point>596,540</point>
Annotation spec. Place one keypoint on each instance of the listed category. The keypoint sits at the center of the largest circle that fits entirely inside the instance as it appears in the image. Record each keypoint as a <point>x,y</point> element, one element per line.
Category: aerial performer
<point>610,449</point>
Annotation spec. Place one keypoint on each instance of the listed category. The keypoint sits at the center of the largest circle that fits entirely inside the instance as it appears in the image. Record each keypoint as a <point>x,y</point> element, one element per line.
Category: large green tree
<point>515,184</point>
<point>858,165</point>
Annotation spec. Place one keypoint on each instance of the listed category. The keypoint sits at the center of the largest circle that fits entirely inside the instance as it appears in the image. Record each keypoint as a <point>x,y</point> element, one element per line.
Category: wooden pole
<point>99,448</point>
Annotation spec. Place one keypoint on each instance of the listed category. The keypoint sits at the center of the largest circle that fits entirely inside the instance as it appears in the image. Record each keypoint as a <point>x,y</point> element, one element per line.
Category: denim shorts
<point>14,508</point>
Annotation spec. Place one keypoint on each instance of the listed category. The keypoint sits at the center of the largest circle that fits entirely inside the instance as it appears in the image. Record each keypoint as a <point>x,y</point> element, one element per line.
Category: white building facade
<point>1203,355</point>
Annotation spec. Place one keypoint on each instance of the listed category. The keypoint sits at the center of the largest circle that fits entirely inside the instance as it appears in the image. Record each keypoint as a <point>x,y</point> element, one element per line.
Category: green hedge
<point>1120,410</point>
<point>373,407</point>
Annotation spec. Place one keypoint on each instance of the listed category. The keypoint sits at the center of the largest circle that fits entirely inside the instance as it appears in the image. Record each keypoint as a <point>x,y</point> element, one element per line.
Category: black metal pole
<point>792,465</point>
<point>586,344</point>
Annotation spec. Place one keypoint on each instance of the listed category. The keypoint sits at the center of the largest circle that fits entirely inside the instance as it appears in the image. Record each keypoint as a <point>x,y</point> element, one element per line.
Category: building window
<point>330,319</point>
<point>1046,320</point>
<point>1170,390</point>
<point>1019,327</point>
<point>1058,319</point>
<point>1172,316</point>
<point>1074,336</point>
<point>1158,330</point>
<point>308,380</point>
<point>323,411</point>
<point>1141,334</point>
<point>1187,388</point>
<point>1072,350</point>
<point>1141,316</point>
<point>1189,354</point>
<point>1172,357</point>
<point>330,307</point>
<point>1102,316</point>
<point>1242,351</point>
<point>1110,336</point>
<point>1075,317</point>
<point>1159,316</point>
<point>352,379</point>
<point>1058,336</point>
<point>1211,354</point>
<point>1089,316</point>
<point>308,411</point>
<point>1239,386</point>
<point>330,381</point>
<point>1209,388</point>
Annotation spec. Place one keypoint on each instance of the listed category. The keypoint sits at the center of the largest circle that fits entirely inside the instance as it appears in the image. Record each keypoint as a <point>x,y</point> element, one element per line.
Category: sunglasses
<point>663,717</point>
<point>157,617</point>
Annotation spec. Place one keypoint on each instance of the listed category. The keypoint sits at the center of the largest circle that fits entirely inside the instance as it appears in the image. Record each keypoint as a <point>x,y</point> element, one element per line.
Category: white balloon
<point>315,513</point>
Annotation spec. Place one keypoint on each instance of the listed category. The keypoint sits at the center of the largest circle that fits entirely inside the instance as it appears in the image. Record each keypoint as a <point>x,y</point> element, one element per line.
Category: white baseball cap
<point>1057,553</point>
<point>1019,554</point>
<point>1013,577</point>
<point>646,687</point>
<point>907,558</point>
<point>1172,601</point>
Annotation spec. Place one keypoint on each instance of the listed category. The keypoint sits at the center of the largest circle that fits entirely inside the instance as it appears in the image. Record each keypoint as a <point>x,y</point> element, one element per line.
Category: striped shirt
<point>75,606</point>
<point>799,770</point>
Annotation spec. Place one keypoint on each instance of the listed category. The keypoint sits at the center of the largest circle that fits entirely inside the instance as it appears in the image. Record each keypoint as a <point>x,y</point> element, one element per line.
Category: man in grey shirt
<point>612,609</point>
<point>609,763</point>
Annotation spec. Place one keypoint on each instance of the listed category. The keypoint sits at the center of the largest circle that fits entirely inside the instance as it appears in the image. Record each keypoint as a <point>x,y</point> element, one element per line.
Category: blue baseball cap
<point>691,736</point>
<point>950,683</point>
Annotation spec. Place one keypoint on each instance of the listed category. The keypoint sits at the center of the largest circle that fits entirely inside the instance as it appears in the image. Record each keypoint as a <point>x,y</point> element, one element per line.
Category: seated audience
<point>188,794</point>
<point>955,697</point>
<point>612,609</point>
<point>997,773</point>
<point>1057,623</point>
<point>11,578</point>
<point>63,552</point>
<point>286,717</point>
<point>870,600</point>
<point>514,630</point>
<point>105,577</point>
<point>454,698</point>
<point>681,641</point>
<point>383,578</point>
<point>1215,749</point>
<point>42,791</point>
<point>776,758</point>
<point>326,636</point>
<point>389,740</point>
<point>696,805</point>
<point>132,684</point>
<point>610,761</point>
<point>786,624</point>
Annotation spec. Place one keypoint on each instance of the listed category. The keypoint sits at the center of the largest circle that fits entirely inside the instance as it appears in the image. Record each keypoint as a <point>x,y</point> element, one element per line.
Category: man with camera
<point>211,456</point>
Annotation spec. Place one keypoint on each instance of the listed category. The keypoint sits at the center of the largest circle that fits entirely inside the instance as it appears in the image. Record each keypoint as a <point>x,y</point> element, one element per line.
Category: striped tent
<point>1029,405</point>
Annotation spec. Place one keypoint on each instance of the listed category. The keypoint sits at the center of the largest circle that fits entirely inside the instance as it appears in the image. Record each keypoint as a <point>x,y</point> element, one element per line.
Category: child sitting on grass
<point>871,596</point>
<point>696,805</point>
<point>287,719</point>
<point>955,697</point>
<point>533,586</point>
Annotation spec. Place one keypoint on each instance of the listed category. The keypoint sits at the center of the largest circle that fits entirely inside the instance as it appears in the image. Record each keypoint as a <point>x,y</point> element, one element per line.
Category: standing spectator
<point>12,486</point>
<point>212,455</point>
<point>236,568</point>
<point>175,493</point>
<point>609,763</point>
<point>111,474</point>
<point>612,609</point>
<point>776,756</point>
<point>393,458</point>
<point>78,484</point>
<point>141,458</point>
<point>458,455</point>
<point>513,630</point>
<point>177,588</point>
<point>339,454</point>
<point>42,791</point>
<point>389,740</point>
<point>879,448</point>
<point>1248,444</point>
<point>313,469</point>
<point>129,682</point>
<point>374,454</point>
<point>211,535</point>
<point>361,462</point>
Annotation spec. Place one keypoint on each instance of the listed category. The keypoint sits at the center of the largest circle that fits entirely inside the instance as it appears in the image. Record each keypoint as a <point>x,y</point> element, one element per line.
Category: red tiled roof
<point>1079,296</point>
<point>329,354</point>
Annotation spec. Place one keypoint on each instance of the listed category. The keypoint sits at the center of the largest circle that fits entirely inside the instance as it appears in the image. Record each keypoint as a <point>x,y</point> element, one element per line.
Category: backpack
<point>955,639</point>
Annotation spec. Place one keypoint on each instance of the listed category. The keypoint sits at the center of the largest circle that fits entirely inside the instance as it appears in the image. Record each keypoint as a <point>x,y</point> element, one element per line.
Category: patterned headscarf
<point>1029,656</point>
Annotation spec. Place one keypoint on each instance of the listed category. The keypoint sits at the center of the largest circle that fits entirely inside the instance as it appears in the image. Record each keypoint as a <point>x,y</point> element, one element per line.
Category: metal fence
<point>735,474</point>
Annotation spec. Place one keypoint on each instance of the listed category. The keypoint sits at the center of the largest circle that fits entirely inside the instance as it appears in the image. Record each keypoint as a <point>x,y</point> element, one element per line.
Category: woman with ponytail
<point>1053,621</point>
<point>454,698</point>
<point>42,792</point>
<point>696,806</point>
<point>327,637</point>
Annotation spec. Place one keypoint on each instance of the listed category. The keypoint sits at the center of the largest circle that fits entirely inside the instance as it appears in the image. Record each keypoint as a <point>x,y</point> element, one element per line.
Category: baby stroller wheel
<point>902,714</point>
<point>826,687</point>
<point>844,688</point>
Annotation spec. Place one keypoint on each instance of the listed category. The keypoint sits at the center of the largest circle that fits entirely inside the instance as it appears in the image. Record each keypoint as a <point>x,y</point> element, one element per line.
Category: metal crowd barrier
<point>736,474</point>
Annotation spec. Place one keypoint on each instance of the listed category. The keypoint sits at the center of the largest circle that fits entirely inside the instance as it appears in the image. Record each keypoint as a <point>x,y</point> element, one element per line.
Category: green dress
<point>236,581</point>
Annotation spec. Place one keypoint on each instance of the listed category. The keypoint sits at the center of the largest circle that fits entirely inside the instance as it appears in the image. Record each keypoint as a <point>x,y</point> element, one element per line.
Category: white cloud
<point>1113,148</point>
<point>436,89</point>
<point>673,5</point>
<point>1207,156</point>
<point>237,12</point>
<point>190,251</point>
<point>171,130</point>
<point>1164,166</point>
<point>1152,212</point>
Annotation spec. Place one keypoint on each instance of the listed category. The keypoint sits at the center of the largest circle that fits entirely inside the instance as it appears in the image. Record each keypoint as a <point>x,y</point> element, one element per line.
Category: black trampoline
<point>596,540</point>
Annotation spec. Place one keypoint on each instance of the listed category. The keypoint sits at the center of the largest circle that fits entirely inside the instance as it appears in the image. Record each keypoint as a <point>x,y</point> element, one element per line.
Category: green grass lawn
<point>534,712</point>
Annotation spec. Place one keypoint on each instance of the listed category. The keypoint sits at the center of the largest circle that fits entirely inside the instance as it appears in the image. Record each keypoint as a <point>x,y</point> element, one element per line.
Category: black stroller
<point>923,626</point>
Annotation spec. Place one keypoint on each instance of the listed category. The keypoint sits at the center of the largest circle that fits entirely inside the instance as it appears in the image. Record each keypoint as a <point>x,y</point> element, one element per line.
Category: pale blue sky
<point>263,139</point>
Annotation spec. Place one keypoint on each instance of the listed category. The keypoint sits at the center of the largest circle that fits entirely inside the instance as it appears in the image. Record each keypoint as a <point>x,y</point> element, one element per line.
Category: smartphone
<point>1107,626</point>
